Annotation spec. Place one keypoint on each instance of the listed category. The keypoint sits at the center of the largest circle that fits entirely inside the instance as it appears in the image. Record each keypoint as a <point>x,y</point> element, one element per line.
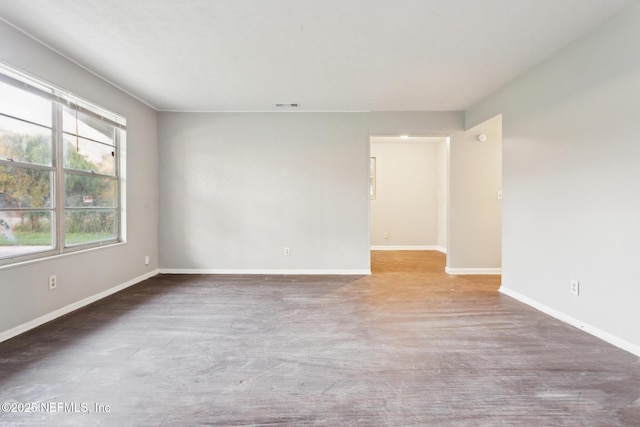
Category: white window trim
<point>61,97</point>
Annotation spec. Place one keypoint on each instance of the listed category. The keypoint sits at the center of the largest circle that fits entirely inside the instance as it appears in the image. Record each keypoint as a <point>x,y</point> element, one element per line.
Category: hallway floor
<point>406,346</point>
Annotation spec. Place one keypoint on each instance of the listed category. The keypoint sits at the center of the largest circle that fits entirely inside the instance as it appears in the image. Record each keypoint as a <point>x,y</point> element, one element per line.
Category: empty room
<point>319,213</point>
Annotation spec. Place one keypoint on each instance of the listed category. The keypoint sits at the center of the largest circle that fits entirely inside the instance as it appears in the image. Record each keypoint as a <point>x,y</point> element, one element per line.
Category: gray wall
<point>24,292</point>
<point>571,183</point>
<point>239,187</point>
<point>236,188</point>
<point>475,213</point>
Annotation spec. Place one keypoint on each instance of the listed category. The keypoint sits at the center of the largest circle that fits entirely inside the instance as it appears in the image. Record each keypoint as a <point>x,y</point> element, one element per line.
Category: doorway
<point>463,213</point>
<point>408,206</point>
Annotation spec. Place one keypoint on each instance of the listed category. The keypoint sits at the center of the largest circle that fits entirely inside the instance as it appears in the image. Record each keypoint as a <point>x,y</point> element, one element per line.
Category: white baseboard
<point>409,248</point>
<point>598,333</point>
<point>470,271</point>
<point>71,307</point>
<point>266,272</point>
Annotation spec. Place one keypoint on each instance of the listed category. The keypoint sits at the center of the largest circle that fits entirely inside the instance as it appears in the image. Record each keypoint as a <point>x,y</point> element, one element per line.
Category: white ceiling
<point>327,55</point>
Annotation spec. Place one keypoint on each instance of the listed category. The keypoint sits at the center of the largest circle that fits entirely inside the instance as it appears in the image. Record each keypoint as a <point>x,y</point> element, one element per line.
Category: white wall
<point>407,188</point>
<point>25,298</point>
<point>572,181</point>
<point>236,188</point>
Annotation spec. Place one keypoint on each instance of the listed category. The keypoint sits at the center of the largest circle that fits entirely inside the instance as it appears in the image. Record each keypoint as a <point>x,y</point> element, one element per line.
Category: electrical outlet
<point>575,287</point>
<point>146,260</point>
<point>386,235</point>
<point>287,251</point>
<point>53,283</point>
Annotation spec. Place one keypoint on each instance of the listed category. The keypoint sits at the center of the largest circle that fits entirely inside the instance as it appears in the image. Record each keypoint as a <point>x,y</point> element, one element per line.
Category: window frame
<point>61,99</point>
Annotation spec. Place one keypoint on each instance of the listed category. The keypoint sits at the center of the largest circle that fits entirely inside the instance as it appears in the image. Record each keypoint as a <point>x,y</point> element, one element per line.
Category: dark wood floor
<point>408,345</point>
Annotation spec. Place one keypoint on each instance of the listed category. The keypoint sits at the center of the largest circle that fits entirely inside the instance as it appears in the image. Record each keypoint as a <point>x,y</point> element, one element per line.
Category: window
<point>59,170</point>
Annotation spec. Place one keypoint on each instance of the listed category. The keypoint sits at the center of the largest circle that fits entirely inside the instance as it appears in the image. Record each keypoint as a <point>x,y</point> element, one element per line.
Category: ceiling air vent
<point>296,105</point>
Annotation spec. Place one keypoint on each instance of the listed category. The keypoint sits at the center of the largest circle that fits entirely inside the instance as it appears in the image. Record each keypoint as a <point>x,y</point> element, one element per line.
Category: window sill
<point>68,252</point>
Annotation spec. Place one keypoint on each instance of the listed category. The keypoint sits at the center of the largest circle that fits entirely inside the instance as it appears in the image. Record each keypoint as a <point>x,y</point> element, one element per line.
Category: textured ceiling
<point>327,55</point>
